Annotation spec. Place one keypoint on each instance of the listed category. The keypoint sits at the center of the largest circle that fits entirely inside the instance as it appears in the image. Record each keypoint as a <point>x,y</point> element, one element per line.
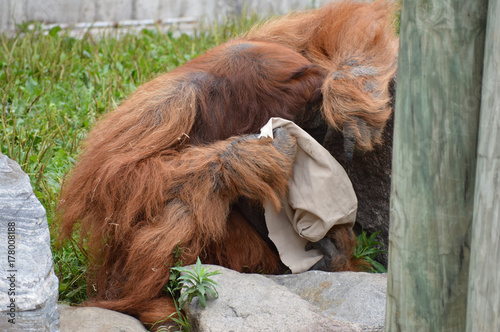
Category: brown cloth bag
<point>320,196</point>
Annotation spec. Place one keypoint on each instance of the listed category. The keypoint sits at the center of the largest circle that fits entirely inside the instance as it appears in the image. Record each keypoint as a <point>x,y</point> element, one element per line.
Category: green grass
<point>54,87</point>
<point>368,248</point>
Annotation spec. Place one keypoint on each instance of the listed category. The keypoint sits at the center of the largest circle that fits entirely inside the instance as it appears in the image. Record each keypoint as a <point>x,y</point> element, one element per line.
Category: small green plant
<point>173,287</point>
<point>367,249</point>
<point>196,283</point>
<point>181,320</point>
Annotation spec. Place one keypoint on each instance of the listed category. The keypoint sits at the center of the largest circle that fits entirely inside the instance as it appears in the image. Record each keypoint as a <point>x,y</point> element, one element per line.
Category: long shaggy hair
<point>354,43</point>
<point>164,169</point>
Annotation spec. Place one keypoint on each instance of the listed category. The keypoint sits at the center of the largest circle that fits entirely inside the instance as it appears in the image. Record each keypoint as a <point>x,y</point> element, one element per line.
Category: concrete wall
<point>73,11</point>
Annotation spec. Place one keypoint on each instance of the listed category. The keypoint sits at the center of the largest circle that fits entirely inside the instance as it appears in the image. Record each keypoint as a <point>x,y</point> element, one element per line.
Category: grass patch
<point>368,248</point>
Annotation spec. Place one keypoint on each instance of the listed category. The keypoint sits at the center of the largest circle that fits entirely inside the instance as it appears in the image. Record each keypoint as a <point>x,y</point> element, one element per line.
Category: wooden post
<point>483,307</point>
<point>434,163</point>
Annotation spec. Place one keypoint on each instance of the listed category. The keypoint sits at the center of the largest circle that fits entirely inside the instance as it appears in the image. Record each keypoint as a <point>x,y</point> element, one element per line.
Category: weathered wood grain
<point>483,307</point>
<point>434,163</point>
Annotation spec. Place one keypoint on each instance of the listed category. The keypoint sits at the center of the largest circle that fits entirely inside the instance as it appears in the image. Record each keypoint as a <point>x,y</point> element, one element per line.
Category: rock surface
<point>311,301</point>
<point>91,319</point>
<point>353,297</point>
<point>28,285</point>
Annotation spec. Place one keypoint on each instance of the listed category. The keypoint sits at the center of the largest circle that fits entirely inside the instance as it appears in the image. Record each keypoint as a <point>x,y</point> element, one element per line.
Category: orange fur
<point>241,238</point>
<point>164,168</point>
<point>355,44</point>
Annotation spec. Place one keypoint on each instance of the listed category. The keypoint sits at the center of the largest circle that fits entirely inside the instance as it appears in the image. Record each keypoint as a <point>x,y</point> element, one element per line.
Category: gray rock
<point>92,319</point>
<point>28,285</point>
<point>353,297</point>
<point>252,302</point>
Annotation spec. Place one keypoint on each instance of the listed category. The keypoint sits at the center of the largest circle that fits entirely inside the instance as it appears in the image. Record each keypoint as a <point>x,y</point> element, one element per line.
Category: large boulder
<point>353,297</point>
<point>28,285</point>
<point>91,319</point>
<point>311,301</point>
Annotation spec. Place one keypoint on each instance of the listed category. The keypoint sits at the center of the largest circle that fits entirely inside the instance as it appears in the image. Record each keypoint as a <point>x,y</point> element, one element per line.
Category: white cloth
<point>320,196</point>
